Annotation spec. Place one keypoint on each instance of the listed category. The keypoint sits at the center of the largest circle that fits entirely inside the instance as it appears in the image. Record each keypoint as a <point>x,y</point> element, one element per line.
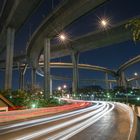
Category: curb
<point>133,130</point>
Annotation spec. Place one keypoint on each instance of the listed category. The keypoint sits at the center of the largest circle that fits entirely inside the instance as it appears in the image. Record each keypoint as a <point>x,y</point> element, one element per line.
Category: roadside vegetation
<point>30,99</point>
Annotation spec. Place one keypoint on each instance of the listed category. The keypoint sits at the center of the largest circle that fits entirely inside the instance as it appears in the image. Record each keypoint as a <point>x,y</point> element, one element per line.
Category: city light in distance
<point>33,105</point>
<point>64,86</point>
<point>136,74</point>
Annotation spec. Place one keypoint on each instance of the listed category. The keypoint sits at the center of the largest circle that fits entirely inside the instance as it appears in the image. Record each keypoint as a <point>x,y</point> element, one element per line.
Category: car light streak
<point>27,124</point>
<point>59,126</point>
<point>24,114</point>
<point>82,118</point>
<point>77,128</point>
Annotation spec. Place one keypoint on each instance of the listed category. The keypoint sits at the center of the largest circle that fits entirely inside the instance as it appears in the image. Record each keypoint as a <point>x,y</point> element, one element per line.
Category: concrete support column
<point>137,84</point>
<point>21,79</point>
<point>33,77</point>
<point>110,85</point>
<point>122,80</point>
<point>75,82</point>
<point>51,86</point>
<point>9,57</point>
<point>106,81</point>
<point>47,67</point>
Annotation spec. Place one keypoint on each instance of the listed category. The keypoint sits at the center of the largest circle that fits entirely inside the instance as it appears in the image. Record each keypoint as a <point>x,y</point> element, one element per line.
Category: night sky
<point>111,56</point>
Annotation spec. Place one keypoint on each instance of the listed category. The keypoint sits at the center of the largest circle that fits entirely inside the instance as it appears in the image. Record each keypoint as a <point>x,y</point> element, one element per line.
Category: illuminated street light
<point>59,88</point>
<point>138,98</point>
<point>62,37</point>
<point>104,23</point>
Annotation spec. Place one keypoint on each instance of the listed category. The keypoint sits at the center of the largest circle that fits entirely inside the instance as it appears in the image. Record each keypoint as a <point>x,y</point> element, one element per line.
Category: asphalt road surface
<point>102,121</point>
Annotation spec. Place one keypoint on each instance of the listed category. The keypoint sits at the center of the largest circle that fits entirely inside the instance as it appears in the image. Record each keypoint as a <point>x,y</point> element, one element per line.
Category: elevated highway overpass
<point>14,14</point>
<point>59,19</point>
<point>127,64</point>
<point>123,67</point>
<point>94,40</point>
<point>23,66</point>
<point>62,17</point>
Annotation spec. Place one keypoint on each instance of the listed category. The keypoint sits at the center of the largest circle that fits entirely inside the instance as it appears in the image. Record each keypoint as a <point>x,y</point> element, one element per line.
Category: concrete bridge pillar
<point>47,68</point>
<point>51,87</point>
<point>110,85</point>
<point>137,84</point>
<point>75,80</point>
<point>33,77</point>
<point>22,72</point>
<point>9,57</point>
<point>106,81</point>
<point>21,79</point>
<point>122,80</point>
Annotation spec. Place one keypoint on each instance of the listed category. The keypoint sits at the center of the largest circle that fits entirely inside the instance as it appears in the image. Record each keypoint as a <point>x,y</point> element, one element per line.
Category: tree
<point>134,26</point>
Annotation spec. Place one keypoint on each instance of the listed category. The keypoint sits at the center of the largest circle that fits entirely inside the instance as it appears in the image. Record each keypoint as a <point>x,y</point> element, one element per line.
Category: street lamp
<point>104,23</point>
<point>62,37</point>
<point>59,88</point>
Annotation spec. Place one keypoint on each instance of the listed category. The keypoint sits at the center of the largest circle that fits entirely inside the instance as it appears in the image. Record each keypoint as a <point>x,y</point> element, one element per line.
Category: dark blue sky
<point>111,57</point>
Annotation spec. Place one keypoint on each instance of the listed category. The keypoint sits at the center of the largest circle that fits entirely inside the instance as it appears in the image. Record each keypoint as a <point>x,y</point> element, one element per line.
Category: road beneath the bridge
<point>101,121</point>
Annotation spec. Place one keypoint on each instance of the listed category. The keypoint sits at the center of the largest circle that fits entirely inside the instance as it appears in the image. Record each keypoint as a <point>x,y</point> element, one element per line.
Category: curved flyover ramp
<point>128,64</point>
<point>93,40</point>
<point>80,66</point>
<point>64,15</point>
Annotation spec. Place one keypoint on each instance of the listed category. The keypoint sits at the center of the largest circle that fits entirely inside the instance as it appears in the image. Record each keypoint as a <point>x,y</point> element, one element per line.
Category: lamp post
<point>62,37</point>
<point>62,89</point>
<point>104,23</point>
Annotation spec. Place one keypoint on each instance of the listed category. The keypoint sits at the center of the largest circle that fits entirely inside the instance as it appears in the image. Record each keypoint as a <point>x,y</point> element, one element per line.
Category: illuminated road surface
<point>100,122</point>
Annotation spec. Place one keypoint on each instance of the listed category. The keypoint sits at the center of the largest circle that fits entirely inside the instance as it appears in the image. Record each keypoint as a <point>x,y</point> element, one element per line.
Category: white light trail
<point>79,127</point>
<point>59,126</point>
<point>27,124</point>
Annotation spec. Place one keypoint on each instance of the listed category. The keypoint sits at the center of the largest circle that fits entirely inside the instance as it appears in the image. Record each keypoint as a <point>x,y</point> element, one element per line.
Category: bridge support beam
<point>21,79</point>
<point>110,85</point>
<point>122,80</point>
<point>51,87</point>
<point>9,57</point>
<point>75,80</point>
<point>106,81</point>
<point>47,68</point>
<point>21,76</point>
<point>33,77</point>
